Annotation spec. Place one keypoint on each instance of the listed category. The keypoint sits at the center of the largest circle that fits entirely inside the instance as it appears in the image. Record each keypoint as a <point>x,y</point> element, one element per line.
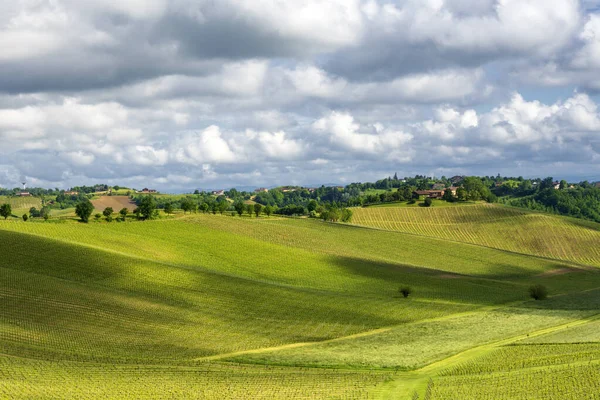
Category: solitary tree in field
<point>123,213</point>
<point>97,217</point>
<point>84,209</point>
<point>239,208</point>
<point>257,209</point>
<point>147,207</point>
<point>268,210</point>
<point>406,291</point>
<point>249,209</point>
<point>5,210</point>
<point>25,217</point>
<point>428,202</point>
<point>168,208</point>
<point>538,292</point>
<point>108,212</point>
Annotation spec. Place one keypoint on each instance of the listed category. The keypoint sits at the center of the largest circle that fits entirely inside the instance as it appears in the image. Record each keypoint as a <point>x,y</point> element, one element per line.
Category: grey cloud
<point>181,94</point>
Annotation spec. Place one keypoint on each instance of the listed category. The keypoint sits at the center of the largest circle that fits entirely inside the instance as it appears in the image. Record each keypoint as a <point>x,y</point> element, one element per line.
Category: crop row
<point>571,382</point>
<point>495,227</point>
<point>514,358</point>
<point>26,379</point>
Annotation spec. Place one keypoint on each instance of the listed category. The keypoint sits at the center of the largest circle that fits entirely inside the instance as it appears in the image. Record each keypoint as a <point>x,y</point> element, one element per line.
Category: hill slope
<point>144,309</point>
<point>494,226</point>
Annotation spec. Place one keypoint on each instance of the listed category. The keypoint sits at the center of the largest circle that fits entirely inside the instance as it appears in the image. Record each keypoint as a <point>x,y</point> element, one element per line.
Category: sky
<point>185,94</point>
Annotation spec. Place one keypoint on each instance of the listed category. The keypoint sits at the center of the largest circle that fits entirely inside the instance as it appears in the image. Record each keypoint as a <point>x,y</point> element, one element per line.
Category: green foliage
<point>405,291</point>
<point>239,208</point>
<point>168,209</point>
<point>25,217</point>
<point>222,206</point>
<point>5,210</point>
<point>346,215</point>
<point>84,209</point>
<point>147,207</point>
<point>257,209</point>
<point>538,292</point>
<point>428,201</point>
<point>268,210</point>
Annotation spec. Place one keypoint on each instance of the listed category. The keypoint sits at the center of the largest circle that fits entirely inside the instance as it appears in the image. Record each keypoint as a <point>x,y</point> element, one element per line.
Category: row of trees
<point>44,212</point>
<point>146,210</point>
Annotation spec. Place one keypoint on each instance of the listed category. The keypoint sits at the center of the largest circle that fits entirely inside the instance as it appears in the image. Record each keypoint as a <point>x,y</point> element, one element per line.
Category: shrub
<point>25,217</point>
<point>405,290</point>
<point>428,202</point>
<point>538,292</point>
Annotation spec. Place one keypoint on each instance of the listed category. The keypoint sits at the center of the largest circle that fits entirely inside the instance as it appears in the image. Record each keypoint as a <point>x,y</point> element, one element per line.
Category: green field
<point>434,203</point>
<point>211,306</point>
<point>494,226</point>
<point>20,205</point>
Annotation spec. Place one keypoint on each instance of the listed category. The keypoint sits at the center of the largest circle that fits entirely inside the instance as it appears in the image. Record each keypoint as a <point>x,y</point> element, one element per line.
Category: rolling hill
<point>210,306</point>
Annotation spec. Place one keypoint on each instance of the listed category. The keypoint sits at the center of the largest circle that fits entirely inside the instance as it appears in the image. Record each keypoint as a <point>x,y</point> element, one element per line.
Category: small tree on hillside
<point>5,210</point>
<point>84,209</point>
<point>346,215</point>
<point>406,291</point>
<point>204,207</point>
<point>257,209</point>
<point>97,217</point>
<point>186,205</point>
<point>239,208</point>
<point>268,210</point>
<point>108,212</point>
<point>147,207</point>
<point>249,209</point>
<point>461,194</point>
<point>223,206</point>
<point>168,208</point>
<point>25,217</point>
<point>538,292</point>
<point>123,213</point>
<point>428,202</point>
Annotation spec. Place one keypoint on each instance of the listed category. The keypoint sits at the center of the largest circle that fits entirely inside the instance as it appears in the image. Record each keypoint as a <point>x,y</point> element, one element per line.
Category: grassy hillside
<point>21,203</point>
<point>210,306</point>
<point>496,227</point>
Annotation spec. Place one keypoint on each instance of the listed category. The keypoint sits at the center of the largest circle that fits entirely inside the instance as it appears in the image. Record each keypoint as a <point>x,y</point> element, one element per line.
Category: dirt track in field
<point>116,202</point>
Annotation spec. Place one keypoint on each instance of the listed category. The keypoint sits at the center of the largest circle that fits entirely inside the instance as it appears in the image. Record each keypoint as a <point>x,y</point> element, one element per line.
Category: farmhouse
<point>432,194</point>
<point>71,193</point>
<point>435,194</point>
<point>261,190</point>
<point>146,191</point>
<point>24,194</point>
<point>218,192</point>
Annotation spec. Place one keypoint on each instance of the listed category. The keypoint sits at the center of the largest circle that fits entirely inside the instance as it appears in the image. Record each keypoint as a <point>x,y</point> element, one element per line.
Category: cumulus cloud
<point>184,93</point>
